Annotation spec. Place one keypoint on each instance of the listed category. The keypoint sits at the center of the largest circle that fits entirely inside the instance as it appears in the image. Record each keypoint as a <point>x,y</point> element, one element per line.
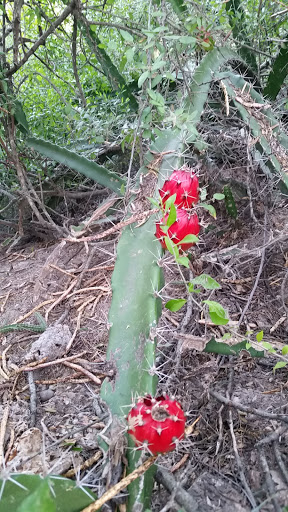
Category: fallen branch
<point>246,408</point>
<point>108,495</point>
<point>134,218</point>
<point>182,497</point>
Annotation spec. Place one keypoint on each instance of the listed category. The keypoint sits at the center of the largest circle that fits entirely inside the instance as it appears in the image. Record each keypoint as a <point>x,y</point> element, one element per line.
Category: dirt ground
<point>236,457</point>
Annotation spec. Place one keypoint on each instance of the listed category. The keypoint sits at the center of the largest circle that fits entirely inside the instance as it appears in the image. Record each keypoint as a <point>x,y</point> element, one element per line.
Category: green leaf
<point>218,197</point>
<point>284,350</point>
<point>156,80</point>
<point>153,201</point>
<point>187,39</point>
<point>189,239</point>
<point>183,260</point>
<point>170,201</point>
<point>280,364</point>
<point>126,36</point>
<point>172,248</point>
<point>172,215</point>
<point>78,163</point>
<point>216,347</point>
<point>40,499</point>
<point>20,117</point>
<point>217,313</point>
<point>259,336</point>
<point>209,208</point>
<point>142,78</point>
<point>117,81</point>
<point>267,346</point>
<point>158,64</point>
<point>152,94</point>
<point>68,109</point>
<point>226,336</point>
<point>179,7</point>
<point>175,304</point>
<point>192,289</point>
<point>206,281</point>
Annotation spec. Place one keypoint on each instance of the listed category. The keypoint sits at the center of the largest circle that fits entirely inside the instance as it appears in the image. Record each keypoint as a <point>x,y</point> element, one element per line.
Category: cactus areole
<point>185,224</point>
<point>184,183</point>
<point>156,424</point>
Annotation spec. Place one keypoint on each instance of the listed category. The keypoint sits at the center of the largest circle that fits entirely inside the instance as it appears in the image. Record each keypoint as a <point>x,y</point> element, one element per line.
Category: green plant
<point>78,163</point>
<point>33,493</point>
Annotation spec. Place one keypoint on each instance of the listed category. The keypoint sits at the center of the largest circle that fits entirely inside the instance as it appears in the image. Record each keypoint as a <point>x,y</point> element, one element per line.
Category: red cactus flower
<point>185,224</point>
<point>184,183</point>
<point>156,423</point>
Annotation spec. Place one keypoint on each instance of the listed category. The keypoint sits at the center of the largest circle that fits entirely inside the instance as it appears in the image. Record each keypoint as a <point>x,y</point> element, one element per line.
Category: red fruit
<point>156,423</point>
<point>185,224</point>
<point>184,183</point>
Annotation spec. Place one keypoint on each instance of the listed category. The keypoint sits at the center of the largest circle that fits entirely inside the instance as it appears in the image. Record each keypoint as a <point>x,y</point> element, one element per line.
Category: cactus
<point>230,202</point>
<point>79,163</point>
<point>137,280</point>
<point>136,307</point>
<point>268,161</point>
<point>33,493</point>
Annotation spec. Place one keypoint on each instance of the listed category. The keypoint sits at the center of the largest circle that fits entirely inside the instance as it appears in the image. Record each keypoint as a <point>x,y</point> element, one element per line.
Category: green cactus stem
<point>33,493</point>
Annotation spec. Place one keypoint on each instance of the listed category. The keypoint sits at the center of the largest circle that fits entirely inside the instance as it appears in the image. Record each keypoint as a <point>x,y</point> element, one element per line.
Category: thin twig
<point>269,482</point>
<point>108,495</point>
<point>2,433</point>
<point>257,277</point>
<point>246,408</point>
<point>183,498</point>
<point>283,290</point>
<point>33,399</point>
<point>87,464</point>
<point>83,370</point>
<point>114,229</point>
<point>280,462</point>
<point>274,436</point>
<point>238,459</point>
<point>51,363</point>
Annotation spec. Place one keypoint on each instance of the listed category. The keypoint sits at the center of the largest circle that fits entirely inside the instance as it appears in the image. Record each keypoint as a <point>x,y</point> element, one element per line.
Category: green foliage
<point>216,347</point>
<point>115,78</point>
<point>240,31</point>
<point>175,304</point>
<point>22,327</point>
<point>204,280</point>
<point>217,313</point>
<point>178,7</point>
<point>33,493</point>
<point>210,208</point>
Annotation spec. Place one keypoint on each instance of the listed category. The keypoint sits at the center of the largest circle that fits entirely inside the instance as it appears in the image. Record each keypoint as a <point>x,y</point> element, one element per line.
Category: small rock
<point>46,394</point>
<point>51,344</point>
